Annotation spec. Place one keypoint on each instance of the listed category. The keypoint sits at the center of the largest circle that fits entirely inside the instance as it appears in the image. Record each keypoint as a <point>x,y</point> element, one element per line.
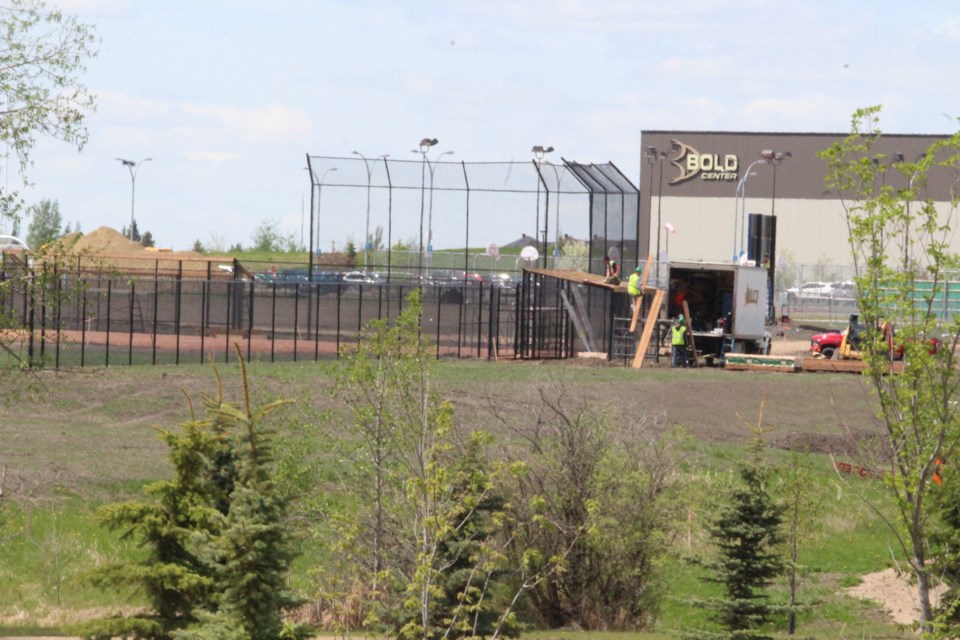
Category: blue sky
<point>227,98</point>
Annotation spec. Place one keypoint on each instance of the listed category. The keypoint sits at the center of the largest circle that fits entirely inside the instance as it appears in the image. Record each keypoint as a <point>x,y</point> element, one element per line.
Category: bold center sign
<point>709,166</point>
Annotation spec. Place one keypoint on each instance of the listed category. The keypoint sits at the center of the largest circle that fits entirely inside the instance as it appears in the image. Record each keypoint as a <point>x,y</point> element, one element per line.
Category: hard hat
<point>639,269</point>
<point>680,318</point>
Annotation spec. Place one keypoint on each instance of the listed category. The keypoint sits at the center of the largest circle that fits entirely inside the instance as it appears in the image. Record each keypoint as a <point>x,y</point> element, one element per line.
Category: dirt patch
<point>895,593</point>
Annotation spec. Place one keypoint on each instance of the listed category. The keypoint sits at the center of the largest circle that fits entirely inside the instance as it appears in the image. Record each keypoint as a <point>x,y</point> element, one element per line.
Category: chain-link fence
<point>418,215</point>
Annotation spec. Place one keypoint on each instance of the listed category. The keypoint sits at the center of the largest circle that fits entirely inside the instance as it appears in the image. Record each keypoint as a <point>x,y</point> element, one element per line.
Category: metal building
<point>699,187</point>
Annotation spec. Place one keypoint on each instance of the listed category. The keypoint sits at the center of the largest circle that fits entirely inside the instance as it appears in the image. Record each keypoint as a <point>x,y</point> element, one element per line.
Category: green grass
<point>112,448</point>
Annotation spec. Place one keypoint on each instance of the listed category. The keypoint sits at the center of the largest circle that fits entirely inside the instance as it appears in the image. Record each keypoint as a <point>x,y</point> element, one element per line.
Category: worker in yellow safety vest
<point>678,338</point>
<point>633,287</point>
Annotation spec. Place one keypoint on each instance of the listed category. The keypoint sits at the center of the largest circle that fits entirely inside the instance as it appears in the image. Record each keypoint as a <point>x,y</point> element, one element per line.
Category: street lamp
<point>432,166</point>
<point>366,237</point>
<point>132,166</point>
<point>538,152</point>
<point>740,198</point>
<point>653,155</point>
<point>313,176</point>
<point>425,146</point>
<point>558,178</point>
<point>774,159</point>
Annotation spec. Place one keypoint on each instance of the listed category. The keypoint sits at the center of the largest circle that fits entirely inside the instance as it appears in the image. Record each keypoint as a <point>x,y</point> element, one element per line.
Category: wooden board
<point>750,362</point>
<point>689,335</point>
<point>644,341</point>
<point>840,366</point>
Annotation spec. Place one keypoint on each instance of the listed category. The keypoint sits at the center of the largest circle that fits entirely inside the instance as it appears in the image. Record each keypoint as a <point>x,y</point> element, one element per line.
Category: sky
<point>228,98</point>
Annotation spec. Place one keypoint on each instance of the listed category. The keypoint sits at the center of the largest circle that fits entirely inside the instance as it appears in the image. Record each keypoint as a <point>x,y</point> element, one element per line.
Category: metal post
<point>366,237</point>
<point>425,145</point>
<point>132,167</point>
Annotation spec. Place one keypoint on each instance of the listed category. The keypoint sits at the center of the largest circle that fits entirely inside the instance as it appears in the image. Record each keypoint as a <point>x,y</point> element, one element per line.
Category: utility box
<point>725,301</point>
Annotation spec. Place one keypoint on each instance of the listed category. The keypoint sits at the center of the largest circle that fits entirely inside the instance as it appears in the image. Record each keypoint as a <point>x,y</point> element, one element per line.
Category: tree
<point>376,239</point>
<point>267,237</point>
<point>217,543</point>
<point>43,53</point>
<point>597,497</point>
<point>746,532</point>
<point>45,223</point>
<point>171,573</point>
<point>900,244</point>
<point>430,546</point>
<point>252,551</point>
<point>147,239</point>
<point>801,508</point>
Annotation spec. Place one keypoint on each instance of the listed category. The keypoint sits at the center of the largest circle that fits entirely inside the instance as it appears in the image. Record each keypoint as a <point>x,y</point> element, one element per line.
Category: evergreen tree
<point>251,551</point>
<point>171,574</point>
<point>746,533</point>
<point>217,546</point>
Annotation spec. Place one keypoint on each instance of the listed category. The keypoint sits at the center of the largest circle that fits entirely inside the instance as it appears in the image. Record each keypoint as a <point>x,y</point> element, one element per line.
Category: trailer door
<point>750,302</point>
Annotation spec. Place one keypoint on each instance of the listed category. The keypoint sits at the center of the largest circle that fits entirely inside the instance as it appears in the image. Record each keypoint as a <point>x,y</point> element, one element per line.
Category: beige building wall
<point>808,231</point>
<point>811,226</point>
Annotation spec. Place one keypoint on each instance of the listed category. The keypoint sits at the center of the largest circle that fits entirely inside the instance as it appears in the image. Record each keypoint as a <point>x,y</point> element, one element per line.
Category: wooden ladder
<point>648,328</point>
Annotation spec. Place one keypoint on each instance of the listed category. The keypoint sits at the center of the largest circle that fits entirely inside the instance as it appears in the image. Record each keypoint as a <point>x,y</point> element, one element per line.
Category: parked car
<point>846,290</point>
<point>810,291</point>
<point>503,280</point>
<point>360,278</point>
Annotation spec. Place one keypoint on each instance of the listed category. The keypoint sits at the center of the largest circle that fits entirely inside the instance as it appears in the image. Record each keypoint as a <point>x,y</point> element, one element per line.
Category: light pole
<point>653,155</point>
<point>538,152</point>
<point>313,175</point>
<point>425,145</point>
<point>132,166</point>
<point>432,166</point>
<point>558,178</point>
<point>366,237</point>
<point>741,196</point>
<point>774,159</point>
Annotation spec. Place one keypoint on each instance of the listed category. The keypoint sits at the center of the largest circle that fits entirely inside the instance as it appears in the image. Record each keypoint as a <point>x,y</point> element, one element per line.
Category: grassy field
<point>89,437</point>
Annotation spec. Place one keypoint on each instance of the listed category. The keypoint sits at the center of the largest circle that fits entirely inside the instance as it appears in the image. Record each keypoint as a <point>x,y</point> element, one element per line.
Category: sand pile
<point>106,249</point>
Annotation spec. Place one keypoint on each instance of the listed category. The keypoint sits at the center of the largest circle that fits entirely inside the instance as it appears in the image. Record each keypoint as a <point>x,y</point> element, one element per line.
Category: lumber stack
<point>841,366</point>
<point>750,362</point>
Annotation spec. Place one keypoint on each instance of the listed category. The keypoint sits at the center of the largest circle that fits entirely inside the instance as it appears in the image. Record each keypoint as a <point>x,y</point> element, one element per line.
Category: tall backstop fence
<point>413,214</point>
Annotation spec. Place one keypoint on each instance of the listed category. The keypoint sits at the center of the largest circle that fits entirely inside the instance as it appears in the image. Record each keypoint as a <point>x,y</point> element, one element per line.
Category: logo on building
<point>709,166</point>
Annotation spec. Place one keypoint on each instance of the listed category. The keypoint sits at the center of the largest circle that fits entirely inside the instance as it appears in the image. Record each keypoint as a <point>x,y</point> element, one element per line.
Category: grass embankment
<point>90,439</point>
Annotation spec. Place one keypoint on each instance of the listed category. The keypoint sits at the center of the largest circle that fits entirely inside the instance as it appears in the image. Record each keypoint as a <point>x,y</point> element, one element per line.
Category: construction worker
<point>678,338</point>
<point>633,287</point>
<point>611,271</point>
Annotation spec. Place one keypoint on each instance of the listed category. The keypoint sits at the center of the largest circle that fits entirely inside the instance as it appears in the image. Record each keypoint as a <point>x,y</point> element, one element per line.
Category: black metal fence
<point>111,319</point>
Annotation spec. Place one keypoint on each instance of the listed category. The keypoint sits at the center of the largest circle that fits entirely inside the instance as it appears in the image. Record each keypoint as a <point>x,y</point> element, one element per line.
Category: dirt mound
<point>107,241</point>
<point>107,249</point>
<point>894,591</point>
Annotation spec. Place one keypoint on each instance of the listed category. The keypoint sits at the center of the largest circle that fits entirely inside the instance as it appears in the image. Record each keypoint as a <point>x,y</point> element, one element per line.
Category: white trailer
<point>727,302</point>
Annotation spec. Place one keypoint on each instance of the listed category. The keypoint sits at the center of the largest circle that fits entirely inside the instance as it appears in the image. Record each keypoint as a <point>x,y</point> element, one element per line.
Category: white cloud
<point>215,157</point>
<point>950,27</point>
<point>272,122</point>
